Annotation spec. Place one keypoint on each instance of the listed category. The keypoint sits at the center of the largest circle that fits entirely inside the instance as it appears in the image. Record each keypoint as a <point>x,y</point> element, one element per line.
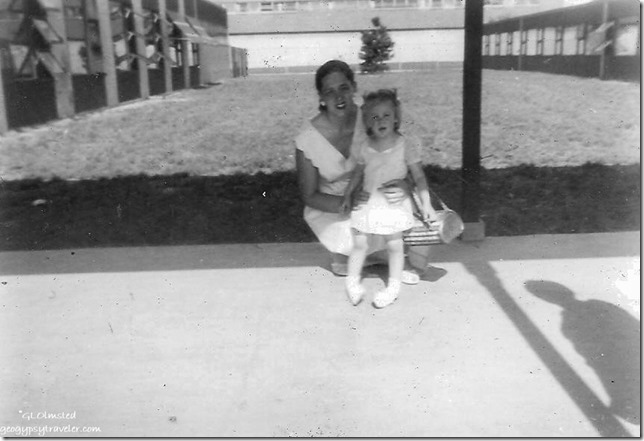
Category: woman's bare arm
<point>308,179</point>
<point>355,182</point>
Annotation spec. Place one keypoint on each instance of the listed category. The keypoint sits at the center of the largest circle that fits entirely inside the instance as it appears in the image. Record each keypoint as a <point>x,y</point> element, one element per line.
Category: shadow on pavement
<point>609,340</point>
<point>280,255</point>
<point>600,416</point>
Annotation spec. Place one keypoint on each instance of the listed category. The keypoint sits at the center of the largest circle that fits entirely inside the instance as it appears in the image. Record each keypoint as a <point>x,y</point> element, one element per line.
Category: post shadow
<point>607,337</point>
<point>601,417</point>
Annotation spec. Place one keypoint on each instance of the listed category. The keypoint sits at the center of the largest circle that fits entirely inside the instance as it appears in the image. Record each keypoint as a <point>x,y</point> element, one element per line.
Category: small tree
<point>377,47</point>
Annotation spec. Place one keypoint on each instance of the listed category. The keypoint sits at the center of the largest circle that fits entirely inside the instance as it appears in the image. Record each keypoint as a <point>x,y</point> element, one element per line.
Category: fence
<point>62,57</point>
<point>596,39</point>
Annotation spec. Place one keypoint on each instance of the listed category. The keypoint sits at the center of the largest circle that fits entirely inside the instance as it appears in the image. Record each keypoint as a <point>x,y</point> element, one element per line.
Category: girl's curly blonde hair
<point>370,99</point>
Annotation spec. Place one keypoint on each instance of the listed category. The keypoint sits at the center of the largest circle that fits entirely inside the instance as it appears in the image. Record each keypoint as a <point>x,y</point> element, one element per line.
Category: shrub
<point>377,47</point>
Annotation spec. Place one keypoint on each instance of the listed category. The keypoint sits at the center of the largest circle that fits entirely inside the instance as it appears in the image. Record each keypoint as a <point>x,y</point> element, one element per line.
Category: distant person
<point>324,166</point>
<point>609,340</point>
<point>384,157</point>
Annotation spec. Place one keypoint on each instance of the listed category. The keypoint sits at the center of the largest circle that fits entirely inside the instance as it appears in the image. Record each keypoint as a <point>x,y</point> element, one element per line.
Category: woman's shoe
<point>339,269</point>
<point>410,277</point>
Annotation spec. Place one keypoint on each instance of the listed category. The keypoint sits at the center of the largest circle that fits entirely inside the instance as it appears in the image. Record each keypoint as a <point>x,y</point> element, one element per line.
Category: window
<point>508,43</point>
<point>266,6</point>
<point>626,41</point>
<point>195,54</point>
<point>549,38</point>
<point>384,3</point>
<point>531,47</point>
<point>559,31</point>
<point>74,10</point>
<point>516,43</point>
<point>540,35</point>
<point>581,38</point>
<point>524,42</point>
<point>503,43</point>
<point>570,41</point>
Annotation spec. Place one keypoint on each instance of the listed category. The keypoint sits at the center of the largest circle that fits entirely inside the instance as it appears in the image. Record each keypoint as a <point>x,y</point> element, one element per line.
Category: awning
<point>47,32</point>
<point>209,39</point>
<point>187,31</point>
<point>195,34</point>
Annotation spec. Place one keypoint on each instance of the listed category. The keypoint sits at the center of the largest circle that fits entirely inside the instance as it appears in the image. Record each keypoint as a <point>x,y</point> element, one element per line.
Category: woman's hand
<point>360,198</point>
<point>395,191</point>
<point>345,207</point>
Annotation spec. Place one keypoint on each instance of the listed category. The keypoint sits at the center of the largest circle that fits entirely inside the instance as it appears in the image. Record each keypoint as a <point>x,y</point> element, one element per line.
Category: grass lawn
<point>560,154</point>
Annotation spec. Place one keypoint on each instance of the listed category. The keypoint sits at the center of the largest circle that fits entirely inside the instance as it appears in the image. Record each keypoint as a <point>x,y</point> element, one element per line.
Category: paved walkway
<point>533,336</point>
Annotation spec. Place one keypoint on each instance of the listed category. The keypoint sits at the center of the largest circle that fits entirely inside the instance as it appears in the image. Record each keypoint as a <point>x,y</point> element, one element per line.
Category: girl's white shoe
<point>387,296</point>
<point>355,290</point>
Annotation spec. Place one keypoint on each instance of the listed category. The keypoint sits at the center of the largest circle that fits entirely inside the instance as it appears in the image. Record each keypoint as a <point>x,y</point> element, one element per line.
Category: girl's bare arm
<point>423,190</point>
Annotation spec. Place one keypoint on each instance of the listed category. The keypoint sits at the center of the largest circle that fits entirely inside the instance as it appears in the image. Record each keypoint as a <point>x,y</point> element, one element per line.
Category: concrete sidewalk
<point>533,336</point>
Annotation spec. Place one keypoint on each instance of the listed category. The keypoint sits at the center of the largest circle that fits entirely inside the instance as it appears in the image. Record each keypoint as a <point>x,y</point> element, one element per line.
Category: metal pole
<point>165,41</point>
<point>604,54</point>
<point>64,88</point>
<point>521,44</point>
<point>142,64</point>
<point>107,49</point>
<point>185,48</point>
<point>472,74</point>
<point>4,123</point>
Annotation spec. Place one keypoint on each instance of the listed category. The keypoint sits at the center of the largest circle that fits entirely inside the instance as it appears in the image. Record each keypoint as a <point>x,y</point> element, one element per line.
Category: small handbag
<point>445,229</point>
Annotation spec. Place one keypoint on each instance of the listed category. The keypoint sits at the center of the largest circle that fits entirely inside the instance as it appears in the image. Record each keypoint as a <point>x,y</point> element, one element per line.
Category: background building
<point>297,35</point>
<point>595,39</point>
<point>61,57</point>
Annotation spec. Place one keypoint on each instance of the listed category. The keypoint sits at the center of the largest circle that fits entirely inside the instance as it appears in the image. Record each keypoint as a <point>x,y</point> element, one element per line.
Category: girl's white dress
<point>333,230</point>
<point>378,216</point>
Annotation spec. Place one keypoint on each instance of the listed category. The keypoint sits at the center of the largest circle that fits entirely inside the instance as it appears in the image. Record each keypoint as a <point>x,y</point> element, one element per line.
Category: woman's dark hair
<point>330,67</point>
<point>381,96</point>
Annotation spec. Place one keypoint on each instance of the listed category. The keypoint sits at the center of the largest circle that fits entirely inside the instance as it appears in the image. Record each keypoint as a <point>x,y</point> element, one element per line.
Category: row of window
<point>307,5</point>
<point>583,39</point>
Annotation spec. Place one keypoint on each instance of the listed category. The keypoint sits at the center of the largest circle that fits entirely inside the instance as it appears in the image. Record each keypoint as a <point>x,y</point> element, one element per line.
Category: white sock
<point>353,280</point>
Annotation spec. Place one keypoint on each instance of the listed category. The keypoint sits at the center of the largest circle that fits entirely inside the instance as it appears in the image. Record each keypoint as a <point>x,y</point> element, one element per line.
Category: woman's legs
<point>418,257</point>
<point>396,250</point>
<point>339,264</point>
<point>355,290</point>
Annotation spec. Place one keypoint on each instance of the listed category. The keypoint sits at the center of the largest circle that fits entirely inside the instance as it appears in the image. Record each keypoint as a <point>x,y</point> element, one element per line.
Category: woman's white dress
<point>333,230</point>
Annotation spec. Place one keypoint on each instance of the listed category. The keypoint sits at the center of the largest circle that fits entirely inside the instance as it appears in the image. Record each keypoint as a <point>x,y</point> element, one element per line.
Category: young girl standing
<point>385,156</point>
